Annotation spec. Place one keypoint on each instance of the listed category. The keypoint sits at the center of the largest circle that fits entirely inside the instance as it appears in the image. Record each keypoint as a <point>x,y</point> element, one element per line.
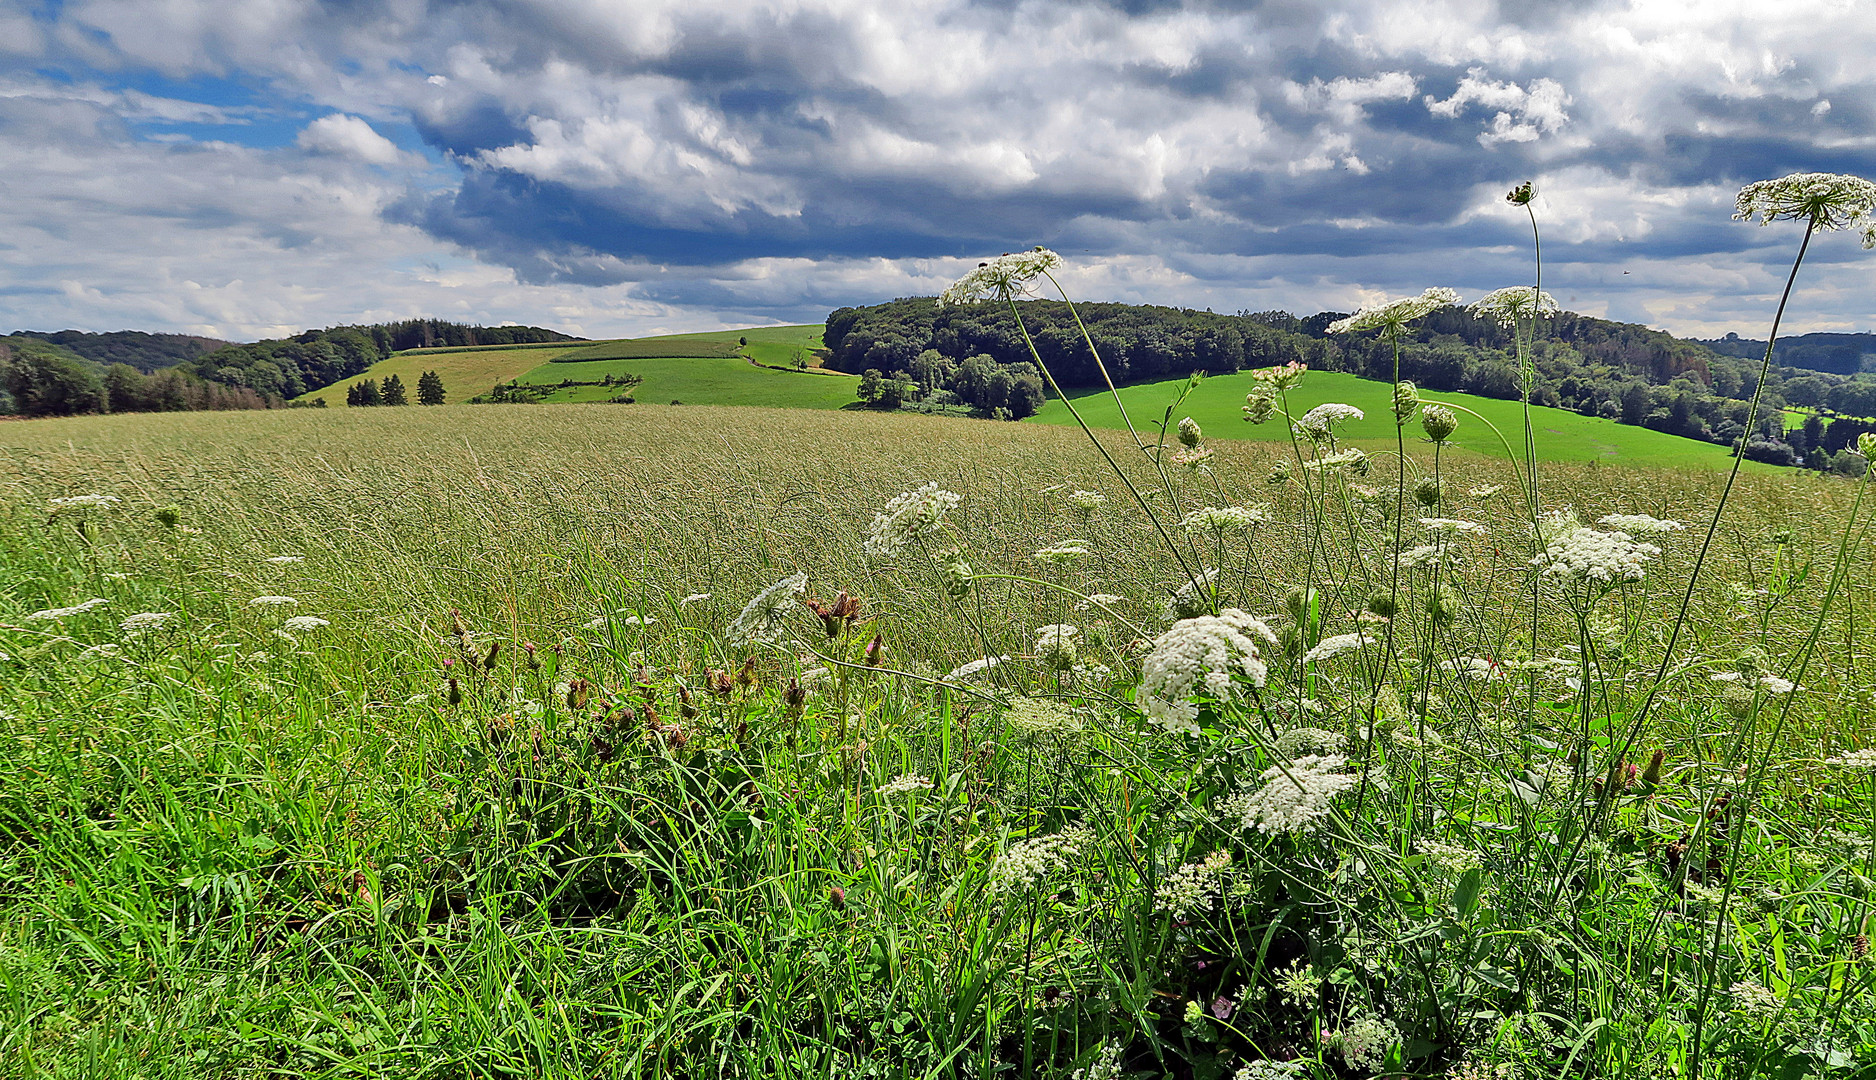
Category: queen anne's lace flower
<point>145,620</point>
<point>1083,504</point>
<point>272,601</point>
<point>1225,519</point>
<point>82,502</point>
<point>1190,888</point>
<point>1640,524</point>
<point>1201,655</point>
<point>1395,313</point>
<point>1354,459</point>
<point>1365,1042</point>
<point>1855,759</point>
<point>912,515</point>
<point>1593,555</point>
<point>1451,527</point>
<point>909,784</point>
<point>1028,863</point>
<point>1338,645</point>
<point>762,617</point>
<point>1032,720</point>
<point>1319,423</point>
<point>1292,797</point>
<point>975,668</point>
<point>1002,278</point>
<point>65,612</point>
<point>1192,598</point>
<point>1828,201</point>
<point>287,560</point>
<point>1067,551</point>
<point>1056,644</point>
<point>1515,305</point>
<point>301,624</point>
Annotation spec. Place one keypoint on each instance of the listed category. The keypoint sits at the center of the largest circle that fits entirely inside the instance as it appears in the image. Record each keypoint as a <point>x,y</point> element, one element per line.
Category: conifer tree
<point>394,391</point>
<point>430,389</point>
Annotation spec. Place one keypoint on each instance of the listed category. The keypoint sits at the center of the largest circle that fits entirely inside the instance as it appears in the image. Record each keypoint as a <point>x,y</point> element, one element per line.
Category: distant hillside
<point>145,352</point>
<point>1838,354</point>
<point>289,367</point>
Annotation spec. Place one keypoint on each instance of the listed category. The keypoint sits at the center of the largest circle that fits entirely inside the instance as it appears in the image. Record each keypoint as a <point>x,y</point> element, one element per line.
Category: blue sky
<point>251,168</point>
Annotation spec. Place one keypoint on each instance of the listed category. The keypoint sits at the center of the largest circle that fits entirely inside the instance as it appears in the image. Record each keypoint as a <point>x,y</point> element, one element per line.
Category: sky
<point>251,168</point>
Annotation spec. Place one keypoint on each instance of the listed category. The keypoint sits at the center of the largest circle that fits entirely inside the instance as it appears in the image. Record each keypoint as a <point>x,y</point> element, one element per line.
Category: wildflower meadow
<point>686,742</point>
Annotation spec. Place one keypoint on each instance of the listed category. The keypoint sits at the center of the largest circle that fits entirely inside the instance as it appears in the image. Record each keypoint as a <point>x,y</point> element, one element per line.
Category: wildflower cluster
<point>1585,554</point>
<point>1515,306</point>
<point>1395,314</point>
<point>1002,278</point>
<point>1293,797</point>
<point>909,784</point>
<point>1337,645</point>
<point>1220,520</point>
<point>1027,864</point>
<point>1190,888</point>
<point>761,618</point>
<point>1056,645</point>
<point>1364,1043</point>
<point>1205,655</point>
<point>66,612</point>
<point>911,516</point>
<point>1318,424</point>
<point>1827,201</point>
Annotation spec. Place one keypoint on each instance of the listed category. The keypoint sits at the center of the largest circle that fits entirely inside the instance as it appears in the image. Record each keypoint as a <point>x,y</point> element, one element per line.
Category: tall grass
<point>421,744</point>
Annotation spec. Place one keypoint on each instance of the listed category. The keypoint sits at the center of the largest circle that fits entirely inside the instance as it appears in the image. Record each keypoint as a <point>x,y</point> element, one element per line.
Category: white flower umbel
<point>1395,314</point>
<point>1192,598</point>
<point>1294,797</point>
<point>1099,600</point>
<point>145,620</point>
<point>1477,668</point>
<point>66,612</point>
<point>1640,524</point>
<point>1318,424</point>
<point>1354,459</point>
<point>913,515</point>
<point>1365,1042</point>
<point>1338,645</point>
<point>693,598</point>
<point>1205,655</point>
<point>82,502</point>
<point>1031,720</point>
<point>1771,684</point>
<point>975,669</point>
<point>303,624</point>
<point>1005,277</point>
<point>761,618</point>
<point>1056,644</point>
<point>1107,1065</point>
<point>1828,201</point>
<point>1068,551</point>
<point>1225,519</point>
<point>909,784</point>
<point>1855,759</point>
<point>1451,527</point>
<point>1514,306</point>
<point>1029,863</point>
<point>1083,504</point>
<point>1191,888</point>
<point>1603,558</point>
<point>287,560</point>
<point>272,601</point>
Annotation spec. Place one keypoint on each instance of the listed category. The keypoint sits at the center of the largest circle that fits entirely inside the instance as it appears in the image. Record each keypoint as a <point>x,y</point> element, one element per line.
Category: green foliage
<point>47,380</point>
<point>648,347</point>
<point>144,352</point>
<point>430,389</point>
<point>394,391</point>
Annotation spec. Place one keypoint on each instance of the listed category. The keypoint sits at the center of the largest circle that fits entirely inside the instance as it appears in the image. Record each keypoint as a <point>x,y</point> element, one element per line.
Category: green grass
<point>1561,435</point>
<point>699,381</point>
<point>465,372</point>
<point>635,348</point>
<point>511,812</point>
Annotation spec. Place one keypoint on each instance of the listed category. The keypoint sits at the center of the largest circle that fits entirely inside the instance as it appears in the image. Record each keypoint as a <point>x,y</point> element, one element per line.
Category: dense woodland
<point>70,372</point>
<point>975,357</point>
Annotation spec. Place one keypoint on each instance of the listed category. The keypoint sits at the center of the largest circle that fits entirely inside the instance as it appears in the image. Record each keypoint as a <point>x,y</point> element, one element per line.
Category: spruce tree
<point>368,393</point>
<point>394,391</point>
<point>430,389</point>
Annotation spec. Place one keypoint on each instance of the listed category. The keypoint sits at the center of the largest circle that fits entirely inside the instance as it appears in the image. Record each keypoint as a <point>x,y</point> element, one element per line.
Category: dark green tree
<point>365,392</point>
<point>44,383</point>
<point>430,389</point>
<point>394,391</point>
<point>872,385</point>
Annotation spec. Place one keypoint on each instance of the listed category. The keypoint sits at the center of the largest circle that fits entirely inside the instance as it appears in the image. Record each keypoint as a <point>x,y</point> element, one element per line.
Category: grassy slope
<point>465,373</point>
<point>700,381</point>
<point>1561,435</point>
<point>468,372</point>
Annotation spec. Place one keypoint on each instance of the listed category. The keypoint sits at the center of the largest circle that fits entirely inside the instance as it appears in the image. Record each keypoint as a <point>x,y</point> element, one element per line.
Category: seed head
<point>1427,492</point>
<point>1439,422</point>
<point>1406,400</point>
<point>1522,194</point>
<point>1189,433</point>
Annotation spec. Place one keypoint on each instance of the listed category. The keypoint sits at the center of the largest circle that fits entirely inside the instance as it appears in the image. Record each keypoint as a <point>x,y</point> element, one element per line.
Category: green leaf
<point>1466,893</point>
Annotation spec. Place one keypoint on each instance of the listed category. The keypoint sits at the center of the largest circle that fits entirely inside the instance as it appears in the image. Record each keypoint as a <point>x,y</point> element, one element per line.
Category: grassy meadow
<point>418,742</point>
<point>1561,435</point>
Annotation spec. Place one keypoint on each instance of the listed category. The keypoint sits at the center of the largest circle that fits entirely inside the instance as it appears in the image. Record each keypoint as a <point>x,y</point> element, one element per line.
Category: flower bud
<point>1866,445</point>
<point>1406,400</point>
<point>1427,492</point>
<point>1189,433</point>
<point>1439,422</point>
<point>1259,406</point>
<point>1383,605</point>
<point>1522,194</point>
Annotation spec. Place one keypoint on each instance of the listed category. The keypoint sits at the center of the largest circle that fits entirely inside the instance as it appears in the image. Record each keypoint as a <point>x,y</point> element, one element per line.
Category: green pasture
<point>698,381</point>
<point>1561,435</point>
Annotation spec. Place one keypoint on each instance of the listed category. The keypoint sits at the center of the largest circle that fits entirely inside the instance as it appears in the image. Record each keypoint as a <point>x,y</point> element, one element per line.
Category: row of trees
<point>289,367</point>
<point>368,392</point>
<point>40,379</point>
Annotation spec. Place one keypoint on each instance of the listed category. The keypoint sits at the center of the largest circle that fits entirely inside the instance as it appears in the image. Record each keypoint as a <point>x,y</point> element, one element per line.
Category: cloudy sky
<point>245,168</point>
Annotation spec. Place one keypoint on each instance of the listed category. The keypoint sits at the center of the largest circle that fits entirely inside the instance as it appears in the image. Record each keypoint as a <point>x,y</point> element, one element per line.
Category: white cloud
<point>348,136</point>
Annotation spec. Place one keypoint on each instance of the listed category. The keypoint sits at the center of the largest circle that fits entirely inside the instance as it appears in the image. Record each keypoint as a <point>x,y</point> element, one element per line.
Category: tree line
<point>41,379</point>
<point>368,392</point>
<point>289,367</point>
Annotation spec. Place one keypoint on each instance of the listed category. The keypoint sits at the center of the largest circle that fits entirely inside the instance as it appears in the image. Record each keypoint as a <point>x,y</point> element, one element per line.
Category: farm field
<point>698,380</point>
<point>448,741</point>
<point>472,371</point>
<point>1561,435</point>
